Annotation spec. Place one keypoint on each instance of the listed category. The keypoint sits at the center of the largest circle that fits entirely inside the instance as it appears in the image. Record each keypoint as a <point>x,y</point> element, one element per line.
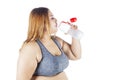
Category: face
<point>53,23</point>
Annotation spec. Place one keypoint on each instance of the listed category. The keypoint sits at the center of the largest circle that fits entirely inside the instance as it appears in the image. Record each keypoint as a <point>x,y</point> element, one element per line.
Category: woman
<point>43,56</point>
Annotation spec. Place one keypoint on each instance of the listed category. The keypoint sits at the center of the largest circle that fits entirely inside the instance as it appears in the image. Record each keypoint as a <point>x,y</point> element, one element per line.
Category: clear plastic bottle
<point>66,28</point>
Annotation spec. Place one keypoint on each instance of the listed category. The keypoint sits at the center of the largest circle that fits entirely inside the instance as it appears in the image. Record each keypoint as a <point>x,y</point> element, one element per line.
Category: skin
<point>30,54</point>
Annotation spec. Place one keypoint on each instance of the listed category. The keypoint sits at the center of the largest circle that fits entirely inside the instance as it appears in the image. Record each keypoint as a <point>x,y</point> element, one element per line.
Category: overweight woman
<point>44,56</point>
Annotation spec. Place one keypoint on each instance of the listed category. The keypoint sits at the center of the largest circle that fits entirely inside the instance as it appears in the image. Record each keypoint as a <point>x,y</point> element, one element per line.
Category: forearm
<point>76,48</point>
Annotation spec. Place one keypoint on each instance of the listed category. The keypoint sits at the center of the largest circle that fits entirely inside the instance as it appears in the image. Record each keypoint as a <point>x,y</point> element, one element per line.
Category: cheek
<point>53,29</point>
<point>52,23</point>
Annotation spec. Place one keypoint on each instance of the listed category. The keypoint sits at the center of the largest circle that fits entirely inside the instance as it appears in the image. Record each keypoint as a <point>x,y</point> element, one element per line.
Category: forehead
<point>50,13</point>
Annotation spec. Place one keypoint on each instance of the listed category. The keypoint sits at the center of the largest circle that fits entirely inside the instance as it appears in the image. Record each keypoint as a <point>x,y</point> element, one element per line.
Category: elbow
<point>79,57</point>
<point>75,58</point>
<point>76,55</point>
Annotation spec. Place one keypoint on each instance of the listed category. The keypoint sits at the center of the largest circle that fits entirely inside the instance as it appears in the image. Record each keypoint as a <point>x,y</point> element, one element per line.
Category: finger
<point>74,27</point>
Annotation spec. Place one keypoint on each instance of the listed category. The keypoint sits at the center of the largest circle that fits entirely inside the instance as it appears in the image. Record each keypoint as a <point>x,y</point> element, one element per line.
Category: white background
<point>98,19</point>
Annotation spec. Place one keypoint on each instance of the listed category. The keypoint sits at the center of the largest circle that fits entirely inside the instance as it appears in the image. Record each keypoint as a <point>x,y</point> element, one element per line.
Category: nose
<point>55,20</point>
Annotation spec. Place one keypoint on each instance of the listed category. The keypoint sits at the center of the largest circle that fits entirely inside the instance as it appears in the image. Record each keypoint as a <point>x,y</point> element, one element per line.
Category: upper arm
<point>27,62</point>
<point>67,49</point>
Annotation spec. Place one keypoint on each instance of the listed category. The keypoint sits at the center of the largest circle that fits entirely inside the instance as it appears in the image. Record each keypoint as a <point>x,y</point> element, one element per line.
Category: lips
<point>56,25</point>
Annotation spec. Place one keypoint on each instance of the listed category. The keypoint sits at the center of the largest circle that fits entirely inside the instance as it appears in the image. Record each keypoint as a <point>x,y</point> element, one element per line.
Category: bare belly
<point>60,76</point>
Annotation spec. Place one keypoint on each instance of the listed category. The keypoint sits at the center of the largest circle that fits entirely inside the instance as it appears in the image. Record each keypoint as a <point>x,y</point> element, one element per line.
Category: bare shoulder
<point>27,60</point>
<point>28,46</point>
<point>31,49</point>
<point>62,42</point>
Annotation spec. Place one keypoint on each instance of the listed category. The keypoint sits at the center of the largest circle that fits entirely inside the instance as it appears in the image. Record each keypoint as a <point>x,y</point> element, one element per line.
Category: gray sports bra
<point>50,65</point>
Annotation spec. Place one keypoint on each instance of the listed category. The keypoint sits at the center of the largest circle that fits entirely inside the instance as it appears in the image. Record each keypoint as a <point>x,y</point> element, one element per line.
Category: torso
<point>60,76</point>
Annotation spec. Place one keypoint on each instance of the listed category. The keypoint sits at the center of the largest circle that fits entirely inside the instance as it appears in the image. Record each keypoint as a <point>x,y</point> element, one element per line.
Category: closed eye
<point>52,18</point>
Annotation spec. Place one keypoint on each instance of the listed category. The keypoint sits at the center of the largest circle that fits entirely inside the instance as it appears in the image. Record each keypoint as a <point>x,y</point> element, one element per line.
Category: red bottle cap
<point>74,19</point>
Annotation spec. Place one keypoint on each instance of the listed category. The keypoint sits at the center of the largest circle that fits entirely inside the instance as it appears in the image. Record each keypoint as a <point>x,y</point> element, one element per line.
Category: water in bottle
<point>66,28</point>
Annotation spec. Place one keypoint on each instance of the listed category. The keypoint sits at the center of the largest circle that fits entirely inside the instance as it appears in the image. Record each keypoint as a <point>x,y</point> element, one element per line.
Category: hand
<point>74,27</point>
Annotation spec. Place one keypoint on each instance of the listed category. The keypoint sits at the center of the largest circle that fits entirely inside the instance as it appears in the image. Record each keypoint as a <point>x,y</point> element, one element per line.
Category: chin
<point>53,32</point>
<point>56,30</point>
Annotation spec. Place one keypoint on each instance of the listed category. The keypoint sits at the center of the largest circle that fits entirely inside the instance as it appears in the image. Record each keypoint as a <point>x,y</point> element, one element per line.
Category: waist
<point>60,76</point>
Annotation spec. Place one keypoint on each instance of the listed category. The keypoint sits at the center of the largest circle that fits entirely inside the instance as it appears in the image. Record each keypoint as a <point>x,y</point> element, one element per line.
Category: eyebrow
<point>51,15</point>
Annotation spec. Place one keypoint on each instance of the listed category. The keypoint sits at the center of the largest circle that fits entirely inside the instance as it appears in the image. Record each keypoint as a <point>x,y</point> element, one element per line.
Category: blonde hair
<point>38,24</point>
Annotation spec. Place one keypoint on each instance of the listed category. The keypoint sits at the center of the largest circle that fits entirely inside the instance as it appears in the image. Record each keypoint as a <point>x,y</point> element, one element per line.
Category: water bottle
<point>66,28</point>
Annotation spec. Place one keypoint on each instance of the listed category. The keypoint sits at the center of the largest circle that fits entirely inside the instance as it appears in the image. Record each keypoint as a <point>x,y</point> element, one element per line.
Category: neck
<point>46,37</point>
